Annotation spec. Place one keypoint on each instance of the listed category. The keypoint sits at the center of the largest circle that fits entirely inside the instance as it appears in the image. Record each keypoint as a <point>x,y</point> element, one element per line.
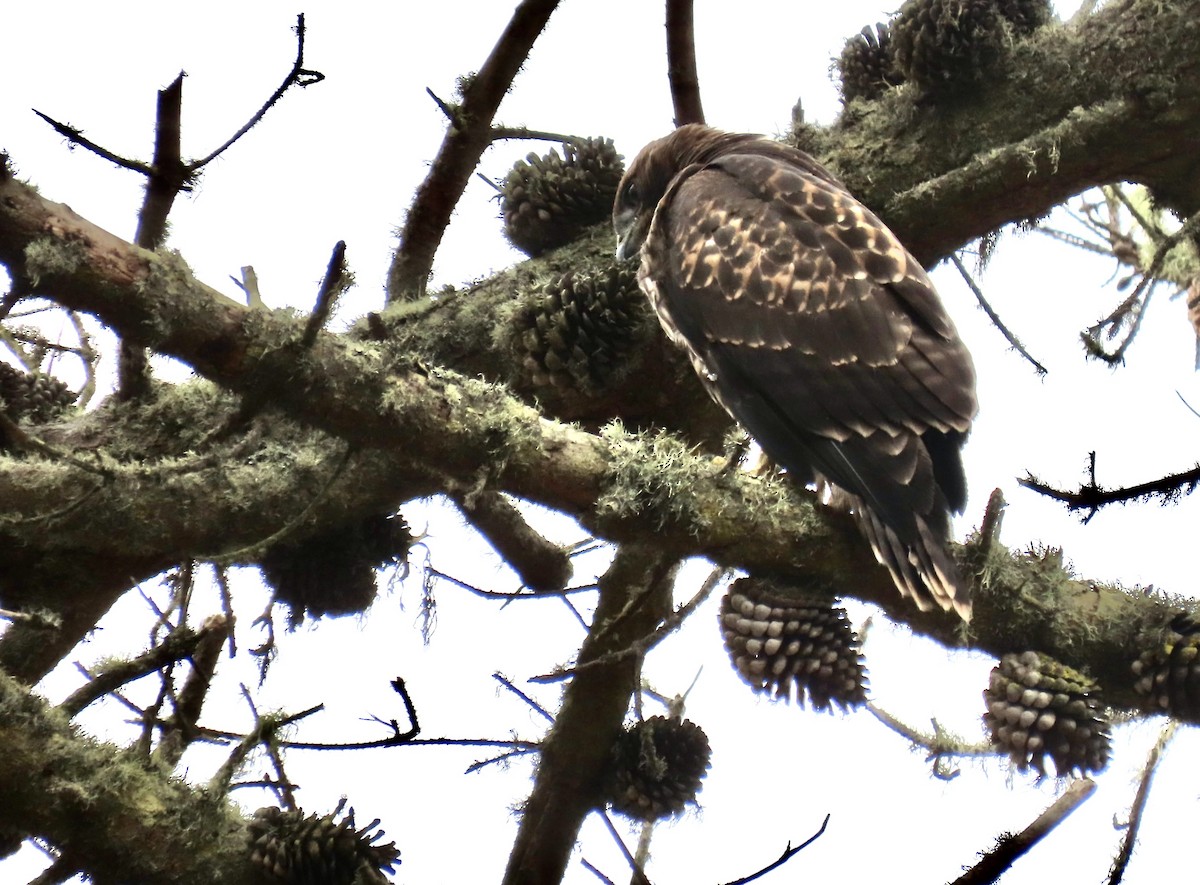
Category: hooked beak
<point>631,233</point>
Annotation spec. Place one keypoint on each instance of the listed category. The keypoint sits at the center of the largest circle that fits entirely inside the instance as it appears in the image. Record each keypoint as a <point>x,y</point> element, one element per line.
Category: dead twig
<point>1012,846</point>
<point>1013,341</point>
<point>1091,496</point>
<point>337,280</point>
<point>788,854</point>
<point>1117,873</point>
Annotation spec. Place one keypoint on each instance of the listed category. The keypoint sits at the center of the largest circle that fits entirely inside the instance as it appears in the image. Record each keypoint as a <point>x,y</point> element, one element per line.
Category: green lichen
<point>49,257</point>
<point>655,473</point>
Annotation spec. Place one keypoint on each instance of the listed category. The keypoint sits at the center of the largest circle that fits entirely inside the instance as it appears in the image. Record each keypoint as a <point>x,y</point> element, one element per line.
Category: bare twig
<point>940,745</point>
<point>76,138</point>
<point>297,76</point>
<point>176,646</point>
<point>249,284</point>
<point>507,683</point>
<point>640,647</point>
<point>519,749</point>
<point>639,875</point>
<point>681,63</point>
<point>1137,302</point>
<point>1012,339</point>
<point>1117,873</point>
<point>462,146</point>
<point>788,854</point>
<point>1091,496</point>
<point>395,739</point>
<point>1012,846</point>
<point>592,868</point>
<point>180,730</point>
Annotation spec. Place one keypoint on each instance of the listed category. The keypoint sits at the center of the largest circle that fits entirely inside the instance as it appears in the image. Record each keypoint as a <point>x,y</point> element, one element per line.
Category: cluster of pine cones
<point>942,47</point>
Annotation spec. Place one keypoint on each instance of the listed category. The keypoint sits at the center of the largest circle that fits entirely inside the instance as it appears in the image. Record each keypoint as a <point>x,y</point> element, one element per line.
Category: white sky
<point>340,160</point>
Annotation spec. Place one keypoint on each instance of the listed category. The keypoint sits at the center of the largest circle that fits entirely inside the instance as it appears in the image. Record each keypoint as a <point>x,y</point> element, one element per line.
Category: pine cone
<point>1026,16</point>
<point>291,849</point>
<point>334,573</point>
<point>947,46</point>
<point>582,330</point>
<point>1169,676</point>
<point>783,639</point>
<point>866,66</point>
<point>547,201</point>
<point>35,398</point>
<point>657,767</point>
<point>1037,707</point>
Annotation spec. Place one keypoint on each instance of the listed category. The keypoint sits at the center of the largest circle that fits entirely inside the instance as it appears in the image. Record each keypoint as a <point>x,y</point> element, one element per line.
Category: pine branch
<point>464,143</point>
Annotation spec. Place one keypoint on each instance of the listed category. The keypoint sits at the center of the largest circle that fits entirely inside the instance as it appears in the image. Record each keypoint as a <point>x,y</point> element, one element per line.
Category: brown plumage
<point>814,327</point>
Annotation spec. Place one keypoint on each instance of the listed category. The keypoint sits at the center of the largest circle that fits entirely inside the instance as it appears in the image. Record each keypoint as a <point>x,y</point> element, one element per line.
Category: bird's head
<point>642,186</point>
<point>650,174</point>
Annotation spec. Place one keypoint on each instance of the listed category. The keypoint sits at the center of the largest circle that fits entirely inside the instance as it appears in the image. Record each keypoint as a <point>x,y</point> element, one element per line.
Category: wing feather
<point>814,327</point>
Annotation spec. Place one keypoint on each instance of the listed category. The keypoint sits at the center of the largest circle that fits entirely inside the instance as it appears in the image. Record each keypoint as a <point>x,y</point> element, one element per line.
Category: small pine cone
<point>34,398</point>
<point>547,201</point>
<point>946,46</point>
<point>334,573</point>
<point>1037,707</point>
<point>1169,676</point>
<point>1026,16</point>
<point>657,767</point>
<point>291,849</point>
<point>785,640</point>
<point>581,331</point>
<point>866,67</point>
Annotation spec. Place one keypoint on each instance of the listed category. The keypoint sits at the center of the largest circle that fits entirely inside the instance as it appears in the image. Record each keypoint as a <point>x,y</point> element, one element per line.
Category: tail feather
<point>922,569</point>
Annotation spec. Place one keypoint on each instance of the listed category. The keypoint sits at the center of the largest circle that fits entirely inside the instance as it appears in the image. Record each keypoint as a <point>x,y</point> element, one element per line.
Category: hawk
<point>811,324</point>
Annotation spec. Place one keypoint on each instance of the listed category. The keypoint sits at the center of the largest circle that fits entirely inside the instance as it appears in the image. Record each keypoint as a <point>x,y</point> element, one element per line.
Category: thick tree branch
<point>1069,110</point>
<point>635,595</point>
<point>681,63</point>
<point>146,826</point>
<point>466,139</point>
<point>418,431</point>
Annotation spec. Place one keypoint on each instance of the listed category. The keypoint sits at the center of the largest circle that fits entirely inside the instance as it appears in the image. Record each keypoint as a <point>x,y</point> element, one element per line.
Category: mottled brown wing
<point>817,330</point>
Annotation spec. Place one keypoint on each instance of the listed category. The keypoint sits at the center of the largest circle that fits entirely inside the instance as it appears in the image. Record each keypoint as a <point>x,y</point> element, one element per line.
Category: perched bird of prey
<point>814,327</point>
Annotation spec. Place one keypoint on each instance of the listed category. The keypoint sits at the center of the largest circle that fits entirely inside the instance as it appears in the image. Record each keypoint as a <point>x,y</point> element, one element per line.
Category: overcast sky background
<point>340,160</point>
